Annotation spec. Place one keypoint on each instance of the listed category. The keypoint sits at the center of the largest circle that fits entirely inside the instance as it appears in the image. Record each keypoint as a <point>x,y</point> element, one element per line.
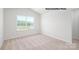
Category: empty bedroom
<point>37,29</point>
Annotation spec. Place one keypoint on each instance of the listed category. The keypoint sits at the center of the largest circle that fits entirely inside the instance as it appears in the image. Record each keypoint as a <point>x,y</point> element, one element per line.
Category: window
<point>25,23</point>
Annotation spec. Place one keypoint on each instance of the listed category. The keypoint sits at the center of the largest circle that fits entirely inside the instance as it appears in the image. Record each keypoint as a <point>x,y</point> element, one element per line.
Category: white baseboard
<point>57,37</point>
<point>24,36</point>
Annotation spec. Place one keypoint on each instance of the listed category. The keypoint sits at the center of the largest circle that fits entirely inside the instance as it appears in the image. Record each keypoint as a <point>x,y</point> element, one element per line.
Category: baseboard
<point>57,37</point>
<point>24,36</point>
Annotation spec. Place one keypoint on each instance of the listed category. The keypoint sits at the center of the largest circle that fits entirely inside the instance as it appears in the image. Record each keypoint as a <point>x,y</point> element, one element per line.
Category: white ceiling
<point>39,10</point>
<point>42,10</point>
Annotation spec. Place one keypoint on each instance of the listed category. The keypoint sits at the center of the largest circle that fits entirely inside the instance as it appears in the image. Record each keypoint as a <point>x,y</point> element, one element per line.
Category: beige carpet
<point>38,42</point>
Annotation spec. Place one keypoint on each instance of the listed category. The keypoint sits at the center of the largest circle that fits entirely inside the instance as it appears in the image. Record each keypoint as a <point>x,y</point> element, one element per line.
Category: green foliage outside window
<point>24,24</point>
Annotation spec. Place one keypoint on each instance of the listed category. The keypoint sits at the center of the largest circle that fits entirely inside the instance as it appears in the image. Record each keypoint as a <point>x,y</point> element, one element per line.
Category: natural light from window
<point>25,23</point>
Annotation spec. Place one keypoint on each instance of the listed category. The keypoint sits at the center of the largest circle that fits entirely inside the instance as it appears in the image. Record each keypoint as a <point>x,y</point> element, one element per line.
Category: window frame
<point>27,29</point>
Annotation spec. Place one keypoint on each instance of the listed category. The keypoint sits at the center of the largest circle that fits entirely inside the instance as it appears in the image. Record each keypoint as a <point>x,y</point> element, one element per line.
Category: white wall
<point>10,22</point>
<point>58,24</point>
<point>1,27</point>
<point>75,25</point>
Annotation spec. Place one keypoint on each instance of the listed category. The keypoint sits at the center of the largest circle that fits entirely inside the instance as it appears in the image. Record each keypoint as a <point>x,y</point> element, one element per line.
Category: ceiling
<point>39,10</point>
<point>42,10</point>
